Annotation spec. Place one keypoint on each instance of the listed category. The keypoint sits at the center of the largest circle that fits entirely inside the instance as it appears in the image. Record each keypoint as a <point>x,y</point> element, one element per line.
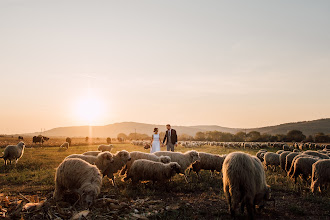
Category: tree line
<point>252,136</point>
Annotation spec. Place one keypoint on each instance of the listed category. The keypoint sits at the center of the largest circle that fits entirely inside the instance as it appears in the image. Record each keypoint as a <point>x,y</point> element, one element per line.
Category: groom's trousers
<point>170,146</point>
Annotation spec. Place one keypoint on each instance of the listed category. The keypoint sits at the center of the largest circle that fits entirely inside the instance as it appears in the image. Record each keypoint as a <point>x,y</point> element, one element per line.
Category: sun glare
<point>89,109</point>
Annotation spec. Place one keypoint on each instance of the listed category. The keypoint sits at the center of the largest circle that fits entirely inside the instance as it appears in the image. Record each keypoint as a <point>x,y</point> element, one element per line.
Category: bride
<point>155,141</point>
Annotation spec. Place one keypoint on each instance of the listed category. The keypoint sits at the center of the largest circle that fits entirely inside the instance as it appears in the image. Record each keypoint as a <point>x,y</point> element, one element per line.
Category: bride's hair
<point>155,129</point>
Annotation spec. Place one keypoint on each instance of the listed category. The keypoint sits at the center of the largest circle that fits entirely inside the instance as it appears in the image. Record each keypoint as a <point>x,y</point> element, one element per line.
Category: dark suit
<point>170,141</point>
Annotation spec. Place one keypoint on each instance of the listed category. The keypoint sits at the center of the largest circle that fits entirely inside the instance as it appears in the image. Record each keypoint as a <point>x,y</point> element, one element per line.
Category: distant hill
<point>112,130</point>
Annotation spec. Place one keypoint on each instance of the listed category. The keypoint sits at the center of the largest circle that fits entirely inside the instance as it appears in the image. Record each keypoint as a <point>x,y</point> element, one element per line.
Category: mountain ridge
<point>112,130</point>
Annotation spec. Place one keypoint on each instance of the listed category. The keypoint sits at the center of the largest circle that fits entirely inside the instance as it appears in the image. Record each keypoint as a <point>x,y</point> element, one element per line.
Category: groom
<point>172,139</point>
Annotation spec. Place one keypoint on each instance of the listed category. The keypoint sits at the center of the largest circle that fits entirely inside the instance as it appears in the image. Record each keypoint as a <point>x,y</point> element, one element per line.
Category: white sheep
<point>320,174</point>
<point>65,145</point>
<point>142,170</point>
<point>261,154</point>
<point>303,166</point>
<point>76,175</point>
<point>283,159</point>
<point>136,155</point>
<point>120,160</point>
<point>244,182</point>
<point>208,161</point>
<point>289,159</point>
<point>104,147</point>
<point>316,154</point>
<point>92,153</point>
<point>271,159</point>
<point>13,152</point>
<point>102,160</point>
<point>185,160</point>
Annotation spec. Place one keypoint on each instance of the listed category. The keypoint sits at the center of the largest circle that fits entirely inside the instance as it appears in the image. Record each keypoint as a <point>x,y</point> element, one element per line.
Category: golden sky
<point>229,63</point>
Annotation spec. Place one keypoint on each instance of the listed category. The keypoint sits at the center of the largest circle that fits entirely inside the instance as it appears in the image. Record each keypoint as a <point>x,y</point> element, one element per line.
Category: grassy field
<point>203,198</point>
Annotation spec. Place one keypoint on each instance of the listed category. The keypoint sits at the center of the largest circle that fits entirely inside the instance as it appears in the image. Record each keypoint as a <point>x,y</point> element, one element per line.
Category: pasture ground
<point>33,180</point>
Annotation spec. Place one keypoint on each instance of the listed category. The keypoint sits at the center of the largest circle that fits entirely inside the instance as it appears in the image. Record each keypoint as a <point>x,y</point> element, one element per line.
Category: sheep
<point>185,160</point>
<point>244,182</point>
<point>65,145</point>
<point>208,161</point>
<point>143,169</point>
<point>317,154</point>
<point>296,150</point>
<point>136,155</point>
<point>104,147</point>
<point>279,151</point>
<point>78,176</point>
<point>102,160</point>
<point>320,174</point>
<point>271,159</point>
<point>260,155</point>
<point>283,159</point>
<point>13,152</point>
<point>303,165</point>
<point>92,153</point>
<point>120,160</point>
<point>291,168</point>
<point>288,160</point>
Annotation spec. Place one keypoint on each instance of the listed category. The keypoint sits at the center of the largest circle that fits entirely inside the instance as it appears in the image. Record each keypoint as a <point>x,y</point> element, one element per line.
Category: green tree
<point>121,137</point>
<point>254,136</point>
<point>240,136</point>
<point>200,136</point>
<point>295,135</point>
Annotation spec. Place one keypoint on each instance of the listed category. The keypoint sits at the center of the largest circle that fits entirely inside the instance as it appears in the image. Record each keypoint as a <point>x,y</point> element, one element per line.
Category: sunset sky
<point>230,63</point>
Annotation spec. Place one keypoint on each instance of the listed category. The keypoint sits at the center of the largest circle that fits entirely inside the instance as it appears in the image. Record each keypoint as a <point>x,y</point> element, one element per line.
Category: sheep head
<point>164,159</point>
<point>88,196</point>
<point>194,155</point>
<point>21,144</point>
<point>124,156</point>
<point>175,168</point>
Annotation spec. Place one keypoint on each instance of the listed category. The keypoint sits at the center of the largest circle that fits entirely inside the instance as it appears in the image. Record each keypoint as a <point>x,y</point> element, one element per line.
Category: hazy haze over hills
<point>112,130</point>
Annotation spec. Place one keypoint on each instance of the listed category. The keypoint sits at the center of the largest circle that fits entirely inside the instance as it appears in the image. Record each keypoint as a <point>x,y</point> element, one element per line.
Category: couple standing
<point>170,138</point>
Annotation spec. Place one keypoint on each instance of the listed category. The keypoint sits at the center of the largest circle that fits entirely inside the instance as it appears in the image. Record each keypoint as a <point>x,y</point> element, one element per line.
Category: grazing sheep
<point>143,169</point>
<point>303,166</point>
<point>208,161</point>
<point>13,152</point>
<point>288,160</point>
<point>102,160</point>
<point>78,176</point>
<point>92,153</point>
<point>320,174</point>
<point>286,147</point>
<point>283,159</point>
<point>65,145</point>
<point>271,159</point>
<point>279,151</point>
<point>136,155</point>
<point>183,159</point>
<point>120,160</point>
<point>104,147</point>
<point>261,154</point>
<point>291,169</point>
<point>244,182</point>
<point>316,154</point>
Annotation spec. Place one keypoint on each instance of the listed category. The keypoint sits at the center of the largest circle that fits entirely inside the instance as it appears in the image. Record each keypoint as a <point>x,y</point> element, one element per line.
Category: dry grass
<point>200,199</point>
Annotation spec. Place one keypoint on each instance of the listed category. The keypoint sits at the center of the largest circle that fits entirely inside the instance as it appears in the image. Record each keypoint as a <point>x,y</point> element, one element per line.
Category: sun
<point>89,109</point>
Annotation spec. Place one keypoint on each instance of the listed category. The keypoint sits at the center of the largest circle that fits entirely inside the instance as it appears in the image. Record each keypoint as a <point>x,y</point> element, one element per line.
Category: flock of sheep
<point>296,163</point>
<point>243,175</point>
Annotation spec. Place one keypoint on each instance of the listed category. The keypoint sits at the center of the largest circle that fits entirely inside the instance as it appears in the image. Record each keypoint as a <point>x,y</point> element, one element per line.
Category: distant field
<point>200,199</point>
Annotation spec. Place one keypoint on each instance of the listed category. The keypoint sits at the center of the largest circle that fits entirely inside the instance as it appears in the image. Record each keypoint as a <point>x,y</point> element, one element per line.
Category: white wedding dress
<point>155,144</point>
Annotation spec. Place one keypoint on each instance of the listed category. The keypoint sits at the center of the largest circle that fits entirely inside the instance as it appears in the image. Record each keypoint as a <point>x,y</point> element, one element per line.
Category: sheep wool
<point>76,175</point>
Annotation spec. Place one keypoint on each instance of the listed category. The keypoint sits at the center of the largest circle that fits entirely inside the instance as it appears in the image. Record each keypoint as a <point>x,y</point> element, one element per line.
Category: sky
<point>238,64</point>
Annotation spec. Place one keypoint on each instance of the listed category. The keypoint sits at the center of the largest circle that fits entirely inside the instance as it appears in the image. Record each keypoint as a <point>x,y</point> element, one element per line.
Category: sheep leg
<point>185,177</point>
<point>250,209</point>
<point>242,207</point>
<point>113,181</point>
